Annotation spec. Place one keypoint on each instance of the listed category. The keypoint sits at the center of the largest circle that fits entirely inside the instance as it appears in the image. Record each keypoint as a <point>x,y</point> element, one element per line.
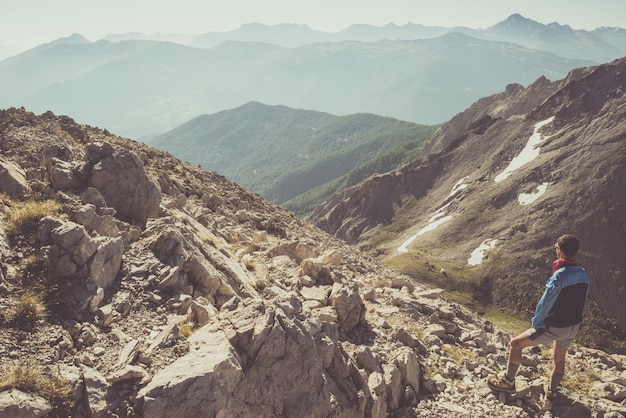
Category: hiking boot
<point>501,384</point>
<point>550,394</point>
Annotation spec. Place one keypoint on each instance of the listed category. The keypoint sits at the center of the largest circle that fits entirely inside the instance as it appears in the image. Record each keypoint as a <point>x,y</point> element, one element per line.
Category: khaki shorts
<point>562,337</point>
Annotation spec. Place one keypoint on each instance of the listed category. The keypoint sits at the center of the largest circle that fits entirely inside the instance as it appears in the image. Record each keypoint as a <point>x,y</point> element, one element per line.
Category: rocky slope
<point>166,291</point>
<point>505,179</point>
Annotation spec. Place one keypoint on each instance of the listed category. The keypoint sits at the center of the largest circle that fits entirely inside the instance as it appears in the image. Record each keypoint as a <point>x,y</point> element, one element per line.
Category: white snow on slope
<point>430,227</point>
<point>479,254</point>
<point>460,185</point>
<point>528,198</point>
<point>529,153</point>
<point>437,219</point>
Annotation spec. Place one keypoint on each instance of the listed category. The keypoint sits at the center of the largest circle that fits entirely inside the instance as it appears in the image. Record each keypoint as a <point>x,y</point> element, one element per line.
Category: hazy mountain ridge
<point>604,44</point>
<point>165,84</point>
<point>59,62</point>
<point>283,153</point>
<point>573,182</point>
<point>559,39</point>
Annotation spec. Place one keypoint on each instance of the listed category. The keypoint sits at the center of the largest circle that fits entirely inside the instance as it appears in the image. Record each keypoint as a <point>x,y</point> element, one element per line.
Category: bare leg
<point>517,345</point>
<point>507,384</point>
<point>558,354</point>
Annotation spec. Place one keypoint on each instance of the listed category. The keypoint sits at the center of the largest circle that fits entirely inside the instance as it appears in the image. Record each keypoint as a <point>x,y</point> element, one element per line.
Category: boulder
<point>608,390</point>
<point>105,264</point>
<point>63,175</point>
<point>71,253</point>
<point>96,392</point>
<point>17,404</point>
<point>13,180</point>
<point>271,346</point>
<point>105,225</point>
<point>197,384</point>
<point>347,302</point>
<point>407,362</point>
<point>315,268</point>
<point>120,177</point>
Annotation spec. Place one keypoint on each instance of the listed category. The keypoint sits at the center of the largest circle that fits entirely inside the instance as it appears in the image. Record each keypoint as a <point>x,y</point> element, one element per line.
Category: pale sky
<point>27,23</point>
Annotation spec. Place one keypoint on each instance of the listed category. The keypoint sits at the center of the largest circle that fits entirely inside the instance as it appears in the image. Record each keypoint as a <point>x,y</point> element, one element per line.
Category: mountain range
<point>504,179</point>
<point>141,87</point>
<point>600,45</point>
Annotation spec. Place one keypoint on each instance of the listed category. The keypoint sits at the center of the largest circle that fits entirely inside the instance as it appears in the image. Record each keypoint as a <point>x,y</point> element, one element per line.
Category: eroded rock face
<point>120,177</point>
<point>17,404</point>
<point>197,384</point>
<point>70,253</point>
<point>13,180</point>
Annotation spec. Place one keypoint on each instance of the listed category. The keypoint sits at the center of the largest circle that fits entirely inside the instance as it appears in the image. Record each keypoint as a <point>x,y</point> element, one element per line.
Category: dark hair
<point>568,244</point>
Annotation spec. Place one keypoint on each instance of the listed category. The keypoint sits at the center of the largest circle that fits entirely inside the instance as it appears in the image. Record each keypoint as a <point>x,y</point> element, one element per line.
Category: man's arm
<point>546,303</point>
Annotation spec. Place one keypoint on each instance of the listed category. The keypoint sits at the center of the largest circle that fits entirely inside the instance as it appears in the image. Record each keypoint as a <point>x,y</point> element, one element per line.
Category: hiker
<point>557,318</point>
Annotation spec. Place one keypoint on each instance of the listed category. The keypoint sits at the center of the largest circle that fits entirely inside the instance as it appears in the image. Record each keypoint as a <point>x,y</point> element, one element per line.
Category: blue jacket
<point>564,299</point>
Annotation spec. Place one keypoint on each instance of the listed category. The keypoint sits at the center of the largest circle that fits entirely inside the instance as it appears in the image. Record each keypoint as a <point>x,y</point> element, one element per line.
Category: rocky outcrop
<point>221,304</point>
<point>13,180</point>
<point>119,176</point>
<point>92,263</point>
<point>197,384</point>
<point>17,404</point>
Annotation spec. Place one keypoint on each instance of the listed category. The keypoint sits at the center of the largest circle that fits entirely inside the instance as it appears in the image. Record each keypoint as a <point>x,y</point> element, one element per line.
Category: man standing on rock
<point>557,318</point>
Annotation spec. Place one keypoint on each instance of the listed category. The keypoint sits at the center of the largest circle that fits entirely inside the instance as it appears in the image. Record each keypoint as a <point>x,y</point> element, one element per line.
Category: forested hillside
<point>294,157</point>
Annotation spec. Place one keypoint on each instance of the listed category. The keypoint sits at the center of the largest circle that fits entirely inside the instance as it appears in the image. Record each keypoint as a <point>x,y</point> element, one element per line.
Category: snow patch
<point>529,153</point>
<point>430,227</point>
<point>460,185</point>
<point>438,218</point>
<point>479,254</point>
<point>528,198</point>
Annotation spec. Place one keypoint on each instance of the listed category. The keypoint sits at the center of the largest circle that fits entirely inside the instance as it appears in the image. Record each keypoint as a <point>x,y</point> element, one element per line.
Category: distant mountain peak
<point>75,38</point>
<point>258,25</point>
<point>516,17</point>
<point>558,26</point>
<point>516,22</point>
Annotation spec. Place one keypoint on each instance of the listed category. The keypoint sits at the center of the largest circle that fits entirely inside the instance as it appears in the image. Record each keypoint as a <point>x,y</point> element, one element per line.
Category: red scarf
<point>557,264</point>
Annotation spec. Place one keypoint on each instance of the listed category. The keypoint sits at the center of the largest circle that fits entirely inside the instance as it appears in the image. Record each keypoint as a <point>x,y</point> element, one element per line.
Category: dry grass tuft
<point>30,308</point>
<point>26,216</point>
<point>39,381</point>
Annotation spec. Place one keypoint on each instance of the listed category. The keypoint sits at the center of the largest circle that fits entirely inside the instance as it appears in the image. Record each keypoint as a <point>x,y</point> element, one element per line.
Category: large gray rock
<point>97,392</point>
<point>72,254</point>
<point>407,362</point>
<point>64,175</point>
<point>198,384</point>
<point>203,263</point>
<point>257,361</point>
<point>18,404</point>
<point>13,179</point>
<point>120,177</point>
<point>284,374</point>
<point>347,302</point>
<point>103,225</point>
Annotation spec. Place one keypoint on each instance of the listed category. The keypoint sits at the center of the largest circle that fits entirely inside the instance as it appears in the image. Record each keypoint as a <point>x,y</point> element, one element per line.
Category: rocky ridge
<point>177,294</point>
